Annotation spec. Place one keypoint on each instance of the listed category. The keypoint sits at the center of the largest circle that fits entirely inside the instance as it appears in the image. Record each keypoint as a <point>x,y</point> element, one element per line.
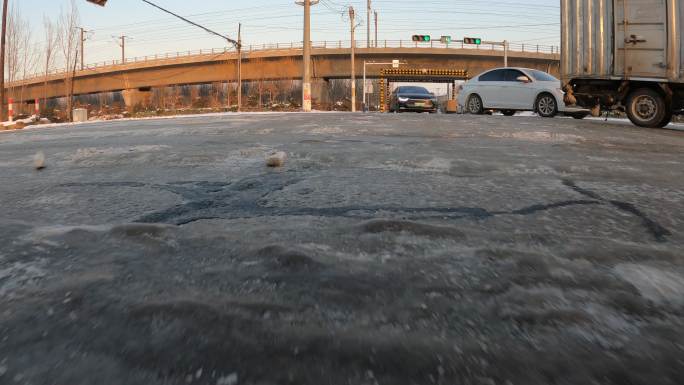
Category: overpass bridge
<point>330,60</point>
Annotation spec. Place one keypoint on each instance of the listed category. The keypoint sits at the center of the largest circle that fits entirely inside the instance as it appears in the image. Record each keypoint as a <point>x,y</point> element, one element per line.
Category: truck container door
<point>641,38</point>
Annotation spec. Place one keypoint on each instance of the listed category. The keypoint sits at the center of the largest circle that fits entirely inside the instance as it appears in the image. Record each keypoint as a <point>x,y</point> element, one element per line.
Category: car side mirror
<point>523,79</point>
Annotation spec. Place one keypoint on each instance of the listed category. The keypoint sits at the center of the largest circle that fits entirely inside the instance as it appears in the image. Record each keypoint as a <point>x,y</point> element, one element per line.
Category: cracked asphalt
<point>389,249</point>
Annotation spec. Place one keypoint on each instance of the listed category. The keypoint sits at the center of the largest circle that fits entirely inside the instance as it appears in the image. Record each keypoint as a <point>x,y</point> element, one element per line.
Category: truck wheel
<point>667,119</point>
<point>546,106</point>
<point>647,108</point>
<point>475,105</point>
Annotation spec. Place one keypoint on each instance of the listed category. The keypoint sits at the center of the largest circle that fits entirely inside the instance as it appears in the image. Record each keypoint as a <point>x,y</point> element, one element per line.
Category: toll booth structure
<point>417,75</point>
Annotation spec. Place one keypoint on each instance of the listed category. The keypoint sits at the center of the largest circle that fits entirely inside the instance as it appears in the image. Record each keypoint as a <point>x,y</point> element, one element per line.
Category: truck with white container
<point>624,55</point>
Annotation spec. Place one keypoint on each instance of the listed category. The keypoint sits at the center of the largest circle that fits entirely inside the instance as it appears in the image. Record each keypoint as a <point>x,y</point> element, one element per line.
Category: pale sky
<point>280,21</point>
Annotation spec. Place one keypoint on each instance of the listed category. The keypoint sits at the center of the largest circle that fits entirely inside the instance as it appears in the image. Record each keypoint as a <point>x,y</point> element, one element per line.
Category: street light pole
<point>236,43</point>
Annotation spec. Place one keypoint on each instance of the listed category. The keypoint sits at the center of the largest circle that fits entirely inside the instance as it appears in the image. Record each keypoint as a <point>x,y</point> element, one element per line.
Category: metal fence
<point>339,44</point>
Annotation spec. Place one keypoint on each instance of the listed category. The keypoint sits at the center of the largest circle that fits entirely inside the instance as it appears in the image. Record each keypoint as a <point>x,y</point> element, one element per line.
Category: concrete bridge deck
<point>329,62</point>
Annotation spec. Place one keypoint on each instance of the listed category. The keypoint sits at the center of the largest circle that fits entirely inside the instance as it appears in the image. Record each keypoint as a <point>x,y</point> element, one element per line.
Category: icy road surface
<point>390,249</point>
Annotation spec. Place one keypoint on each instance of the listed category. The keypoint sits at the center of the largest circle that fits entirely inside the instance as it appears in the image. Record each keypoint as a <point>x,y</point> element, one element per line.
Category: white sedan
<point>512,89</point>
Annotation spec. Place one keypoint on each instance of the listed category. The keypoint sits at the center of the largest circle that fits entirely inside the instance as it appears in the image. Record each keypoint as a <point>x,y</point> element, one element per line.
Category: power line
<point>234,42</point>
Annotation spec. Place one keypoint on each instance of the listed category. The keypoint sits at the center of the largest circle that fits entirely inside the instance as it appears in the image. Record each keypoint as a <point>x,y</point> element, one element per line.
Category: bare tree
<point>15,31</point>
<point>51,41</point>
<point>68,42</point>
<point>21,52</point>
<point>29,57</point>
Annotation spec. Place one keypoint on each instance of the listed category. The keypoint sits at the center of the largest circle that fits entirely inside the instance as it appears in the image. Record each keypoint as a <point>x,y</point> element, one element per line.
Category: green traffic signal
<point>421,38</point>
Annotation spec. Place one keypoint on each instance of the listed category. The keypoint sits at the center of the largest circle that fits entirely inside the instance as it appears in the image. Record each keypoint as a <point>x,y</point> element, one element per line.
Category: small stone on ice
<point>39,160</point>
<point>277,159</point>
<point>231,379</point>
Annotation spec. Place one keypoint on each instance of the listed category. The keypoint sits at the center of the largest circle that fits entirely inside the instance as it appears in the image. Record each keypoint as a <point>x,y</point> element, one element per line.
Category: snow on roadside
<point>182,116</point>
<point>658,285</point>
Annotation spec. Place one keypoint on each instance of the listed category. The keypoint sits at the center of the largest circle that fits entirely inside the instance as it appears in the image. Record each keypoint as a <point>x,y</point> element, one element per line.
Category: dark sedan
<point>412,98</point>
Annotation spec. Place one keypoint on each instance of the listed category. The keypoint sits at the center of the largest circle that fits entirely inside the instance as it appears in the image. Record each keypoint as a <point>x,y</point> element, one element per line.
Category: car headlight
<point>403,100</point>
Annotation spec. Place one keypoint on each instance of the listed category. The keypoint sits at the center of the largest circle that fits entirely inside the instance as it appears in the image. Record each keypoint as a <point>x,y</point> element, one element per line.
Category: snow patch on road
<point>54,199</point>
<point>93,156</point>
<point>522,169</point>
<point>540,136</point>
<point>327,130</point>
<point>18,275</point>
<point>658,285</point>
<point>439,165</point>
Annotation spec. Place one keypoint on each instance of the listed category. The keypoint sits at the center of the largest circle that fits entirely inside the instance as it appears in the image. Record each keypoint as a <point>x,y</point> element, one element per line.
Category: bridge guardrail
<point>338,44</point>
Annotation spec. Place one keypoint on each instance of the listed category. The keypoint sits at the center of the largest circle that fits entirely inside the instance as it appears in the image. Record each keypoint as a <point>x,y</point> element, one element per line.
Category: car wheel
<point>546,106</point>
<point>647,108</point>
<point>475,105</point>
<point>508,112</point>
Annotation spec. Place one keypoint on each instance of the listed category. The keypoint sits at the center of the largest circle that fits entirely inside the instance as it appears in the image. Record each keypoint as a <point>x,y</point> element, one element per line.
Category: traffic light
<point>472,40</point>
<point>421,38</point>
<point>445,39</point>
<point>101,3</point>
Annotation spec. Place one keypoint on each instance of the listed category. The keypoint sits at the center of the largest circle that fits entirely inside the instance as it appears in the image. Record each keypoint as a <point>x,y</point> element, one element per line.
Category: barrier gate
<point>417,75</point>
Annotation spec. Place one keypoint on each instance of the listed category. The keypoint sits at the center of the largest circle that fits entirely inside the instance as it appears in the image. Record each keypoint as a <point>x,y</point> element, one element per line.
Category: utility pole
<point>239,68</point>
<point>2,61</point>
<point>83,39</point>
<point>505,44</point>
<point>353,63</point>
<point>306,50</point>
<point>368,23</point>
<point>122,44</point>
<point>376,28</point>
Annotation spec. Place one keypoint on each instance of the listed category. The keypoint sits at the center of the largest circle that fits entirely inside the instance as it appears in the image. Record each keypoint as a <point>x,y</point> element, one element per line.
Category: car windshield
<point>412,90</point>
<point>542,76</point>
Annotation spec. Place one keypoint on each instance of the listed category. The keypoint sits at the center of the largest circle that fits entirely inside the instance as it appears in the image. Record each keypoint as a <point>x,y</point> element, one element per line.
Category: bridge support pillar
<point>137,97</point>
<point>320,92</point>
